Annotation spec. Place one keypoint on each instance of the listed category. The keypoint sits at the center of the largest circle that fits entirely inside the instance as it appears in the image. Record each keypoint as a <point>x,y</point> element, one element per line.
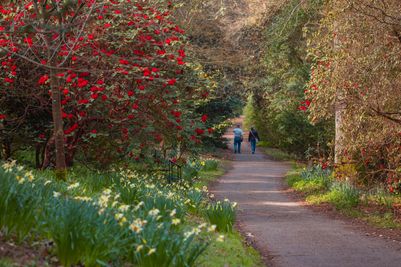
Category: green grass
<point>6,262</point>
<point>275,153</point>
<point>210,175</point>
<point>232,252</point>
<point>319,189</point>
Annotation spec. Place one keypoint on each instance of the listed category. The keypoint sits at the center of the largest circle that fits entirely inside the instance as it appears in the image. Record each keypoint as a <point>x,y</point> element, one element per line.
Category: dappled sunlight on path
<point>291,234</point>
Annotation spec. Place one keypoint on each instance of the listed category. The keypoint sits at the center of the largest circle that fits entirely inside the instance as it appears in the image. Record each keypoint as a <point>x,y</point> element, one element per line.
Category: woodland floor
<point>288,233</point>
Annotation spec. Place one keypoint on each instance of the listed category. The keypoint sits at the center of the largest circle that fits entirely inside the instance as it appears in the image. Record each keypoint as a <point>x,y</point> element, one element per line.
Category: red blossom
<point>199,131</point>
<point>171,81</point>
<point>43,80</point>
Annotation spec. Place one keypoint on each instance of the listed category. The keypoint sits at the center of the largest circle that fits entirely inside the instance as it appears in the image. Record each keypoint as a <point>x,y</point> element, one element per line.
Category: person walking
<point>238,138</point>
<point>253,138</point>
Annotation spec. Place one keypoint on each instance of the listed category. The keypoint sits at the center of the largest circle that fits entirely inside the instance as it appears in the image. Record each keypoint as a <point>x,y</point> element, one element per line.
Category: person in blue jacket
<point>238,138</point>
<point>253,138</point>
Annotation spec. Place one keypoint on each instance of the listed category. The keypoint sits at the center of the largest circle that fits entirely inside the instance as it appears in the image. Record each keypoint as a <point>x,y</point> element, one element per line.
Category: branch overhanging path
<point>286,231</point>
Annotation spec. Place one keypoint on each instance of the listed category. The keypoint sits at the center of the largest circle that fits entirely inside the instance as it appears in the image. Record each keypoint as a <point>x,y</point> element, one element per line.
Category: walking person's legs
<point>239,147</point>
<point>253,146</point>
<point>235,145</point>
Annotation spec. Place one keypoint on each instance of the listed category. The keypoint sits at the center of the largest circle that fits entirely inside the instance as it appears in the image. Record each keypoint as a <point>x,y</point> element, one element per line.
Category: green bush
<point>222,214</point>
<point>343,195</point>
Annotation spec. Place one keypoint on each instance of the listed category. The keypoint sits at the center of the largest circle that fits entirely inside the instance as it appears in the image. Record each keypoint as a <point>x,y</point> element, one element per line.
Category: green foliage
<point>18,203</point>
<point>138,219</point>
<point>318,184</point>
<point>311,180</point>
<point>222,214</point>
<point>343,195</point>
<point>81,234</point>
<point>273,107</point>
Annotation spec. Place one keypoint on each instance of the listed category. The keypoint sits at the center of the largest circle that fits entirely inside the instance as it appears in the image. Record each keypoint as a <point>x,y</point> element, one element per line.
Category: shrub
<point>222,214</point>
<point>343,195</point>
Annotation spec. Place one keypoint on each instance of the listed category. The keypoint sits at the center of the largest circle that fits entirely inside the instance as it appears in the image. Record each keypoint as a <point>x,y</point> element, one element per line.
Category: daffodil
<point>176,221</point>
<point>173,213</point>
<point>151,251</point>
<point>139,248</point>
<point>220,238</point>
<point>154,212</point>
<point>211,228</point>
<point>29,176</point>
<point>72,186</point>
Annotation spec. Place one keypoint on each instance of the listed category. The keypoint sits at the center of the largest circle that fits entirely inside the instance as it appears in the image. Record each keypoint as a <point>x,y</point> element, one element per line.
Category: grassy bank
<point>376,207</point>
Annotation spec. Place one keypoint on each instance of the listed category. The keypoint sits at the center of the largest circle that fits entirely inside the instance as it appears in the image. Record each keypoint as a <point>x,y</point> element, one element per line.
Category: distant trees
<point>278,101</point>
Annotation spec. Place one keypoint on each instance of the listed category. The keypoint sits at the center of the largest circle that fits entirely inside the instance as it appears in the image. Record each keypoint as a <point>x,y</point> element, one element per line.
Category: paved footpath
<point>291,234</point>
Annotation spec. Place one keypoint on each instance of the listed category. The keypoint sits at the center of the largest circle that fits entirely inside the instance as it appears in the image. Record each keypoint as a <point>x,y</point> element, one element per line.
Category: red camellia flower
<point>8,80</point>
<point>210,130</point>
<point>42,136</point>
<point>172,81</point>
<point>28,41</point>
<point>82,82</point>
<point>204,118</point>
<point>199,131</point>
<point>2,117</point>
<point>43,79</point>
<point>94,131</point>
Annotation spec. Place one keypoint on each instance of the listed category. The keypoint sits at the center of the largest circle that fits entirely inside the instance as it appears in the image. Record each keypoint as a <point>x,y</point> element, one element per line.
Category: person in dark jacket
<point>253,138</point>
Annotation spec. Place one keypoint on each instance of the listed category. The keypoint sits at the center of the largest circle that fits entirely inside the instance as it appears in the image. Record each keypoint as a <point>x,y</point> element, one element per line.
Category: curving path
<point>293,235</point>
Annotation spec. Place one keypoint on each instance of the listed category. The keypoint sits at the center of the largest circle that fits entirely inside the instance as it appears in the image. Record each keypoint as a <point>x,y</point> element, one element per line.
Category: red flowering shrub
<point>112,73</point>
<point>394,183</point>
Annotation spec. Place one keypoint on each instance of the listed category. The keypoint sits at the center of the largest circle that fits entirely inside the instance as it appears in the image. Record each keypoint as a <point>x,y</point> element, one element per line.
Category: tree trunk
<point>340,107</point>
<point>58,127</point>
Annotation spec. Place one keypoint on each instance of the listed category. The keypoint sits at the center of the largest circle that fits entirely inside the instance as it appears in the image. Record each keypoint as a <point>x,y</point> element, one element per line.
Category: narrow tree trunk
<point>339,110</point>
<point>340,107</point>
<point>58,127</point>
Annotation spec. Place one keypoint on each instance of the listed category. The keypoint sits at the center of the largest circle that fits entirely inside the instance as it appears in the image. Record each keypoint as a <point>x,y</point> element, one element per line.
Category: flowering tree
<point>360,70</point>
<point>112,69</point>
